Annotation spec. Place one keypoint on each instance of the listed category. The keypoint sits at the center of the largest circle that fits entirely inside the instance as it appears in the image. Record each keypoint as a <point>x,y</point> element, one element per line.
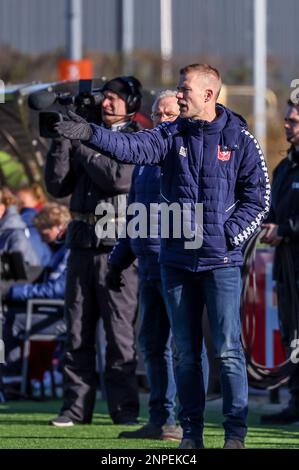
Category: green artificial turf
<point>23,425</point>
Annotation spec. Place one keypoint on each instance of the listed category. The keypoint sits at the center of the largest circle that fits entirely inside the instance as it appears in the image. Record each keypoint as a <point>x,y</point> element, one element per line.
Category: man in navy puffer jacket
<point>207,157</point>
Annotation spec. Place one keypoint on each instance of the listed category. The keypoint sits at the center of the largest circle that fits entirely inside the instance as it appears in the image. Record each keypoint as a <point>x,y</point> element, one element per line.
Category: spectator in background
<point>282,232</point>
<point>32,198</point>
<point>155,336</point>
<point>14,234</point>
<point>51,222</point>
<point>14,237</point>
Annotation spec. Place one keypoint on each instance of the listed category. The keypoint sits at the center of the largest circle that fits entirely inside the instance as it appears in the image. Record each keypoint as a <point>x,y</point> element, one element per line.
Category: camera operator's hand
<point>74,127</point>
<point>114,278</point>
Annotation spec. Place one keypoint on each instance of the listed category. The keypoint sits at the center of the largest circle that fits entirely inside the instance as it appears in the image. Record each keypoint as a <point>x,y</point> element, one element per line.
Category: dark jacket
<point>284,210</point>
<point>90,178</point>
<point>15,236</point>
<point>145,189</point>
<point>52,284</point>
<point>219,164</point>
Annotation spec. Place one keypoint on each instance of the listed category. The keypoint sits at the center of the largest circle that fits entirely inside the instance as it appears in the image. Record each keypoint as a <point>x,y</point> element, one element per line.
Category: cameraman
<point>90,179</point>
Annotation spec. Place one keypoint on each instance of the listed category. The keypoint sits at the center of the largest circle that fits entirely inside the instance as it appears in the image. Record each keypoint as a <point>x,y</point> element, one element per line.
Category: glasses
<point>160,115</point>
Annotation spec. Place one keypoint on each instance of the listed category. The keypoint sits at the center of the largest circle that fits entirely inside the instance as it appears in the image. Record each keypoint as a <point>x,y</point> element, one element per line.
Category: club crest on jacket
<point>222,154</point>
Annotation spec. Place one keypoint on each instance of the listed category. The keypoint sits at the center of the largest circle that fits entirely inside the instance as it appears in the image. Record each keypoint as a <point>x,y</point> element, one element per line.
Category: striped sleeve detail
<point>248,231</point>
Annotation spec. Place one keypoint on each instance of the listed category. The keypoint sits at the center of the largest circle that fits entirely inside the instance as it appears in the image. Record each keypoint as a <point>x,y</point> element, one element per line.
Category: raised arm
<point>140,148</point>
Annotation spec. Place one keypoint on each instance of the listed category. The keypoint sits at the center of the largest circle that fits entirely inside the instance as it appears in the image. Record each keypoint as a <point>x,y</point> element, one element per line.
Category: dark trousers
<point>285,302</point>
<point>87,298</point>
<point>155,344</point>
<point>294,388</point>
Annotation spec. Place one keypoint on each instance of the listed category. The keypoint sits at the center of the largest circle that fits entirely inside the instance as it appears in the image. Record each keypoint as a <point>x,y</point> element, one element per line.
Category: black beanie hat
<point>127,87</point>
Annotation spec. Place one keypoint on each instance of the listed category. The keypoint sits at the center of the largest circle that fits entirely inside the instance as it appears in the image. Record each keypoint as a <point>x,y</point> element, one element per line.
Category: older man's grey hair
<point>163,94</point>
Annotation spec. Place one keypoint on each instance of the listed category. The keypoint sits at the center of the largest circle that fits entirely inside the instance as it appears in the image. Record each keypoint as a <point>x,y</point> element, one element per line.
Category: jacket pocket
<point>231,206</point>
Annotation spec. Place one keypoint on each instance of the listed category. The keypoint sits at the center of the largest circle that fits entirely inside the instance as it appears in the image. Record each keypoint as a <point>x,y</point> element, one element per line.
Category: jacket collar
<point>228,124</point>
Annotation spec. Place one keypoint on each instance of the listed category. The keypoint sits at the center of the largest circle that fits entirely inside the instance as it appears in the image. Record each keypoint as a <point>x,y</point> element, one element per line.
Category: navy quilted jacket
<point>219,164</point>
<point>145,189</point>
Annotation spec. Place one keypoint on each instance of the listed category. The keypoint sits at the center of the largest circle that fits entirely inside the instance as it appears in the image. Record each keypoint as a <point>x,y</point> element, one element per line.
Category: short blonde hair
<point>207,71</point>
<point>51,215</point>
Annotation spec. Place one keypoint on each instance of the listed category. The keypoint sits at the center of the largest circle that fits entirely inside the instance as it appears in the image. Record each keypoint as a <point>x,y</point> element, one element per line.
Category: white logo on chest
<point>183,151</point>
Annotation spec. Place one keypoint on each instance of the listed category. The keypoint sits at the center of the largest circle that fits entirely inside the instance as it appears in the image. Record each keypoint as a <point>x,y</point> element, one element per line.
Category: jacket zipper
<point>230,207</point>
<point>196,257</point>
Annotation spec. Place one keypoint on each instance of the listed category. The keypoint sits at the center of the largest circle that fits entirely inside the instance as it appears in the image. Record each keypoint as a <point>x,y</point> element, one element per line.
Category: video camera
<point>85,103</point>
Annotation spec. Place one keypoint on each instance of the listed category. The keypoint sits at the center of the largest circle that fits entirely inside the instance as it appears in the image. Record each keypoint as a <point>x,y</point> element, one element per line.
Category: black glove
<point>5,289</point>
<point>74,127</point>
<point>114,278</point>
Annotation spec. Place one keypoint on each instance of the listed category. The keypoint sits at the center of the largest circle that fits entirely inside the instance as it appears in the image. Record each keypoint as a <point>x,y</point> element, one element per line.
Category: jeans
<point>156,346</point>
<point>186,293</point>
